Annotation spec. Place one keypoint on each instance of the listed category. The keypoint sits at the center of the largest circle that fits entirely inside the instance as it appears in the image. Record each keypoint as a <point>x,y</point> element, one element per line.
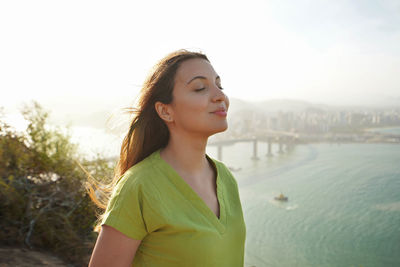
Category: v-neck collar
<point>193,197</point>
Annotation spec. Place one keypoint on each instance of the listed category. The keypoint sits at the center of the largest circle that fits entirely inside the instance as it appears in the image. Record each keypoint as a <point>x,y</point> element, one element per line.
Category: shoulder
<point>224,172</point>
<point>142,174</point>
<point>220,166</point>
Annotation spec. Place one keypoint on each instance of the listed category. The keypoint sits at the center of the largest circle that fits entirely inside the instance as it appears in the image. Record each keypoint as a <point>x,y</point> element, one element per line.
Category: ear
<point>164,111</point>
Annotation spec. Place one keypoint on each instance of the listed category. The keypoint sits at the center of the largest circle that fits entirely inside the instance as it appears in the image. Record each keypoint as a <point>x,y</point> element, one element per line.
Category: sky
<point>332,52</point>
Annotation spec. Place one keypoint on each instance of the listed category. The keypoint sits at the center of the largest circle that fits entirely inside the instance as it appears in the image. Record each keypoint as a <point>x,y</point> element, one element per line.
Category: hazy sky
<point>334,52</point>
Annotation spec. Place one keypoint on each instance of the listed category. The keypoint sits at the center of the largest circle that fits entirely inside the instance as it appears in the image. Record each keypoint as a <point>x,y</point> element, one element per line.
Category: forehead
<point>194,67</point>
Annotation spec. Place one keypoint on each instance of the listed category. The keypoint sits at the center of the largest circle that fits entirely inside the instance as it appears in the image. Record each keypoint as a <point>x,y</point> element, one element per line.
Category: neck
<point>186,154</point>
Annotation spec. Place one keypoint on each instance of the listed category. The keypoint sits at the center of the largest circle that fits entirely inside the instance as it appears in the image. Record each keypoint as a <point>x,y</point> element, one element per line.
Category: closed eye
<point>200,89</point>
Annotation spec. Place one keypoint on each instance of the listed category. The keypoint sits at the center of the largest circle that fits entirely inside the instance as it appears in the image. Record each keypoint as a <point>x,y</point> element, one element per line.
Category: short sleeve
<point>125,209</point>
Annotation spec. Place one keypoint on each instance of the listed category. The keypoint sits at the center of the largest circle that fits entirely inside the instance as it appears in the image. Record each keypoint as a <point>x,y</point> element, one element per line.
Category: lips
<point>220,112</point>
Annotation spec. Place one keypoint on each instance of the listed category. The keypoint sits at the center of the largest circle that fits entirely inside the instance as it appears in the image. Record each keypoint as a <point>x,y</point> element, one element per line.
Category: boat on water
<point>281,197</point>
<point>234,169</point>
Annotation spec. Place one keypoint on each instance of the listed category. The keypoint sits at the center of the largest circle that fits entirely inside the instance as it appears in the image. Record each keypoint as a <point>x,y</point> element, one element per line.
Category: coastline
<point>376,129</point>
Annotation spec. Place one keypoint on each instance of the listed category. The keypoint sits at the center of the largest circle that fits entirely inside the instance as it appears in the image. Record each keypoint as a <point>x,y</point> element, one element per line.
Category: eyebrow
<point>201,77</point>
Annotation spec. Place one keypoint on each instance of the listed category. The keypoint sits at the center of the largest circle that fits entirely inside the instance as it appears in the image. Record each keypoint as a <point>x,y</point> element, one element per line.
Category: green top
<point>152,203</point>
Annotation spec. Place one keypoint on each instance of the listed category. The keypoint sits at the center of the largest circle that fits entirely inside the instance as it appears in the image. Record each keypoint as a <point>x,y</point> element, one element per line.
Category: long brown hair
<point>147,132</point>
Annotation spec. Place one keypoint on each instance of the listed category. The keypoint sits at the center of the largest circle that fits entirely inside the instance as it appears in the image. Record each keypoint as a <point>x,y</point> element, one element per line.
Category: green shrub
<point>43,201</point>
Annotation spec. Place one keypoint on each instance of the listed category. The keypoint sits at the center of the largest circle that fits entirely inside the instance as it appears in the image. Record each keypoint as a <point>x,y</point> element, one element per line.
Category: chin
<point>221,129</point>
<point>224,128</point>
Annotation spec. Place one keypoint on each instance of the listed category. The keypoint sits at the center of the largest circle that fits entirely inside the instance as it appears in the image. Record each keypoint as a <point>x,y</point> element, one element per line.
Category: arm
<point>113,248</point>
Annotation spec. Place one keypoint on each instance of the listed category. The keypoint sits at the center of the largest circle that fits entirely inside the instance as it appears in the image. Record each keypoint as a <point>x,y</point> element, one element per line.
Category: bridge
<point>289,139</point>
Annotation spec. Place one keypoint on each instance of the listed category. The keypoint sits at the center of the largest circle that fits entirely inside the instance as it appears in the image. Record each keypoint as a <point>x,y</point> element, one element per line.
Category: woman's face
<point>199,106</point>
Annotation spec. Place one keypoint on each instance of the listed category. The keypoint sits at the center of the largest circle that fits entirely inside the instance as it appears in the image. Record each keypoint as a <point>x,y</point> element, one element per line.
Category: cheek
<point>191,110</point>
<point>193,105</point>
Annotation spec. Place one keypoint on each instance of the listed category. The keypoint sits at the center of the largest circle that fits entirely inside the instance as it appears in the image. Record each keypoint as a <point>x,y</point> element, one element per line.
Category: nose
<point>218,95</point>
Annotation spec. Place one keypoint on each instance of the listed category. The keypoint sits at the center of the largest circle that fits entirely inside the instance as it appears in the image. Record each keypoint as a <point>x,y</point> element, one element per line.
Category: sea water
<point>343,208</point>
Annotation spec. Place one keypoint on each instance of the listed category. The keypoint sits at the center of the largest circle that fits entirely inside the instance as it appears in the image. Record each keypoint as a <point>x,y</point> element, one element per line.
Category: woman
<point>172,205</point>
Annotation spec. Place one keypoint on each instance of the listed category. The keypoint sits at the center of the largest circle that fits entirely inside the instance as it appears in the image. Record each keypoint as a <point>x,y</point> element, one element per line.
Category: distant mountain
<point>287,105</point>
<point>276,105</point>
<point>89,112</point>
<point>107,113</point>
